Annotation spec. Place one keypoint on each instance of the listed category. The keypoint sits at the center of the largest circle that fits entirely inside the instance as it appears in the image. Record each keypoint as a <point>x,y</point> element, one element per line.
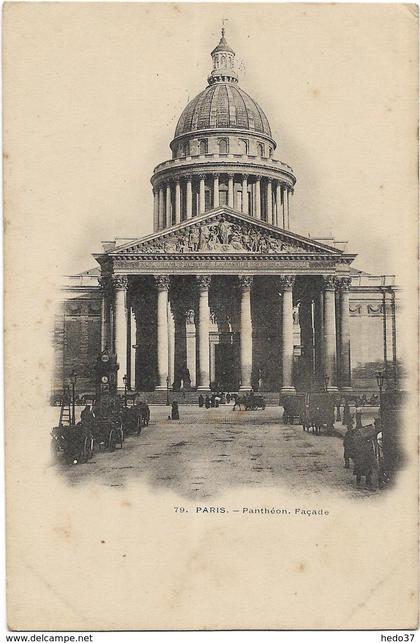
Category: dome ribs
<point>202,110</point>
<point>222,107</point>
<point>243,119</point>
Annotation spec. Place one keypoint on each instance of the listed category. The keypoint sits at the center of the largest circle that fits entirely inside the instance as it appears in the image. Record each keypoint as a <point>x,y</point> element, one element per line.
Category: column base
<point>332,389</point>
<point>203,388</point>
<point>161,388</point>
<point>245,389</point>
<point>346,389</point>
<point>288,389</point>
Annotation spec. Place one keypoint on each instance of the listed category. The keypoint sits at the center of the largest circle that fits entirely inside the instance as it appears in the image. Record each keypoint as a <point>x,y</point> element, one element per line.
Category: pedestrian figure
<point>365,458</point>
<point>200,401</point>
<point>227,398</point>
<point>175,411</point>
<point>346,414</point>
<point>207,402</point>
<point>348,444</point>
<point>358,418</point>
<point>212,401</point>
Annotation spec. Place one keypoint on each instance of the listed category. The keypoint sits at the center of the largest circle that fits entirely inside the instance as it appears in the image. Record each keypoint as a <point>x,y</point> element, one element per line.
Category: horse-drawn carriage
<point>318,412</point>
<point>73,442</point>
<point>135,417</point>
<point>313,410</point>
<point>249,402</point>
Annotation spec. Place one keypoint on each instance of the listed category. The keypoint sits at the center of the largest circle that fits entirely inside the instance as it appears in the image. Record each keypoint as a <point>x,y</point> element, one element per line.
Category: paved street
<point>211,450</point>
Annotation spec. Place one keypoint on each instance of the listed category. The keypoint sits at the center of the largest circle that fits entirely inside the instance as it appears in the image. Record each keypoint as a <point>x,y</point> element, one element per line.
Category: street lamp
<point>380,380</point>
<point>73,378</point>
<point>125,389</point>
<point>167,391</point>
<point>326,381</point>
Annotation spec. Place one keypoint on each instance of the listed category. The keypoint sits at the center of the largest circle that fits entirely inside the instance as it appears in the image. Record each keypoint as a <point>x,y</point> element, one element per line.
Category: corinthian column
<point>344,335</point>
<point>258,198</point>
<point>245,206</point>
<point>155,210</point>
<point>245,282</point>
<point>177,201</point>
<point>171,346</point>
<point>105,313</point>
<point>329,339</point>
<point>269,201</point>
<point>120,283</point>
<point>284,208</point>
<point>286,287</point>
<point>203,379</point>
<point>230,191</point>
<point>168,206</point>
<point>162,283</point>
<point>189,197</point>
<point>202,193</point>
<point>161,209</point>
<point>215,190</point>
<point>132,350</point>
<point>278,204</point>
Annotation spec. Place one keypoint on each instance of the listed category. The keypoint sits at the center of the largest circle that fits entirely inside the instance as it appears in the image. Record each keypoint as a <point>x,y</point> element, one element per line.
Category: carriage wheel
<point>112,439</point>
<point>86,450</point>
<point>138,426</point>
<point>120,437</point>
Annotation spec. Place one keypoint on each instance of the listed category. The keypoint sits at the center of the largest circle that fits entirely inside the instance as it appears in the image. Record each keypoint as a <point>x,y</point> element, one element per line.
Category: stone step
<point>191,397</point>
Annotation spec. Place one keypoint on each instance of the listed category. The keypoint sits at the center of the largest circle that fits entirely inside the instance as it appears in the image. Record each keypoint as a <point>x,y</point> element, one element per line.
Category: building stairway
<point>191,397</point>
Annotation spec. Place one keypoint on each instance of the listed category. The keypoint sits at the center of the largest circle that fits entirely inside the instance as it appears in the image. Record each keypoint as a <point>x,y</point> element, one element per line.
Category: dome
<point>223,106</point>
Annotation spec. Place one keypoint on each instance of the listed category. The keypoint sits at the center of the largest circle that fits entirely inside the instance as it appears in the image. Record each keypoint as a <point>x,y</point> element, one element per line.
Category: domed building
<point>223,294</point>
<point>222,155</point>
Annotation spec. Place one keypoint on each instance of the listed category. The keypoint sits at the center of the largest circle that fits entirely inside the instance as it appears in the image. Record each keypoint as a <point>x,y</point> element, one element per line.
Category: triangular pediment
<point>224,231</point>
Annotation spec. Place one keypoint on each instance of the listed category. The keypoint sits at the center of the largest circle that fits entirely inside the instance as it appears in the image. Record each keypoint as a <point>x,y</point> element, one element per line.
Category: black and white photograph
<point>211,303</point>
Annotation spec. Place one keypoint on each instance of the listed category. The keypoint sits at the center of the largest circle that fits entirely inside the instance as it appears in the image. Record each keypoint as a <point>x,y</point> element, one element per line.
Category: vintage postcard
<point>211,316</point>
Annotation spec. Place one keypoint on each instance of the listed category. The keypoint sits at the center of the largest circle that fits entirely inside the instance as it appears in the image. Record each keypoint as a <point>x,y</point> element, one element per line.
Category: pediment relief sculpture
<point>219,235</point>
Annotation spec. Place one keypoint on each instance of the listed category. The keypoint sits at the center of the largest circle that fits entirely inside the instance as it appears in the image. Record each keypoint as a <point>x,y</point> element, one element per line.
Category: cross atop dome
<point>223,63</point>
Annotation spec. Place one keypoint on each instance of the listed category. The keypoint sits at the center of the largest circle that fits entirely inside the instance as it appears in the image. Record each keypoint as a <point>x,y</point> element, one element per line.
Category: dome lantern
<point>223,63</point>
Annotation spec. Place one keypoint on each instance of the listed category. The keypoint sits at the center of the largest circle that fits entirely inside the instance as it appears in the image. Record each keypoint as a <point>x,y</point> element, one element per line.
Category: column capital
<point>188,177</point>
<point>162,282</point>
<point>244,177</point>
<point>189,316</point>
<point>202,176</point>
<point>245,281</point>
<point>343,283</point>
<point>286,282</point>
<point>329,282</point>
<point>269,179</point>
<point>177,180</point>
<point>203,282</point>
<point>120,282</point>
<point>230,175</point>
<point>216,175</point>
<point>258,177</point>
<point>105,284</point>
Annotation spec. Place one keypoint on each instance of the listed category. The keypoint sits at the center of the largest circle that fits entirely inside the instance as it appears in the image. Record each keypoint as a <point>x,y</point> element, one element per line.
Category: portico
<point>212,303</point>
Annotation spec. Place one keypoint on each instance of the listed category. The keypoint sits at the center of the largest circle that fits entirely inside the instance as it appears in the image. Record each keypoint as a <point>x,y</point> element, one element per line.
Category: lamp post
<point>380,379</point>
<point>73,378</point>
<point>167,391</point>
<point>125,389</point>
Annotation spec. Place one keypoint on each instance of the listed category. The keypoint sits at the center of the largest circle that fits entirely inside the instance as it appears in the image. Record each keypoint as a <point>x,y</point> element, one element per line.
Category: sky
<point>98,88</point>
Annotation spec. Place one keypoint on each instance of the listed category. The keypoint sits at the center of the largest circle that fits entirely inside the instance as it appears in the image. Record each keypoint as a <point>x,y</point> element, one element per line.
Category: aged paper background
<point>91,98</point>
